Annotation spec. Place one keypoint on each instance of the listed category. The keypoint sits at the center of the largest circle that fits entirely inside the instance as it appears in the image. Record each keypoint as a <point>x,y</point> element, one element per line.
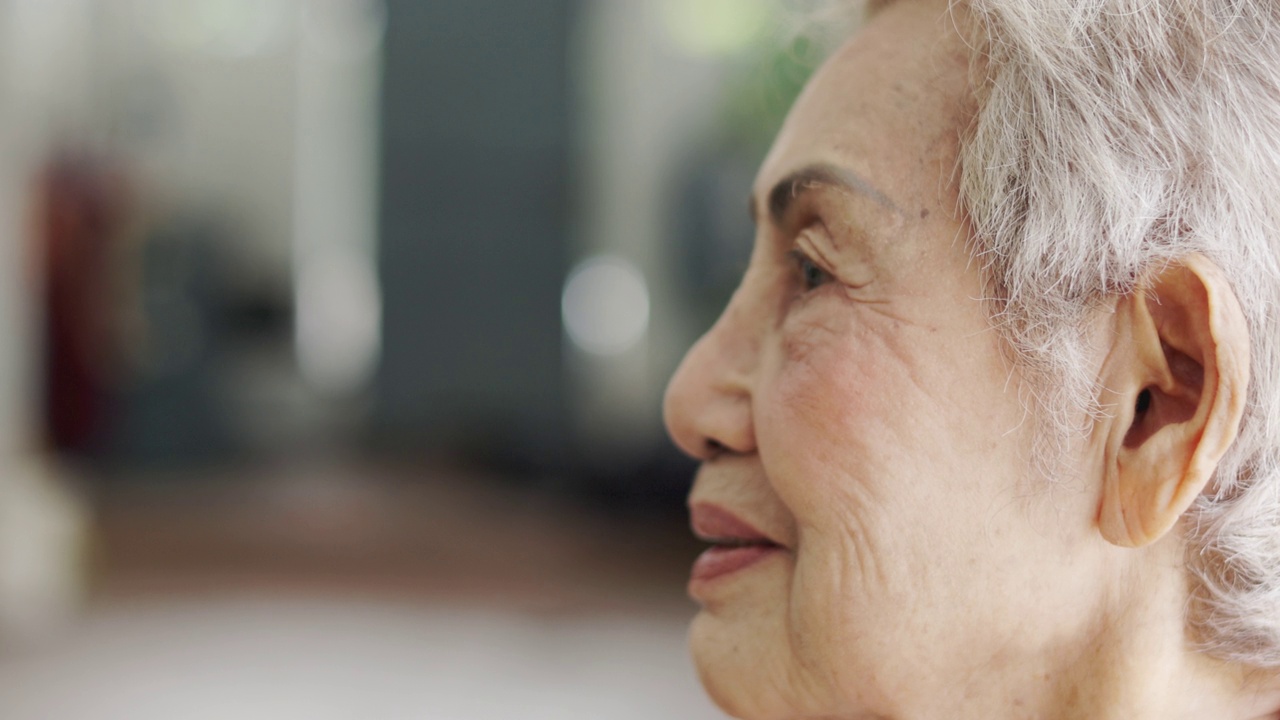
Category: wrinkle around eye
<point>884,308</point>
<point>888,310</point>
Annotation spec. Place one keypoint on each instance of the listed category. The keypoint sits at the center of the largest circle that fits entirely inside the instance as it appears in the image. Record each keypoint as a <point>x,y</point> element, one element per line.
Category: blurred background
<point>333,335</point>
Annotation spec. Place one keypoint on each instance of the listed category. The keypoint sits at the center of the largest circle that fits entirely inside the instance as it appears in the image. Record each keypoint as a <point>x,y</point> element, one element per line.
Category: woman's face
<point>853,406</point>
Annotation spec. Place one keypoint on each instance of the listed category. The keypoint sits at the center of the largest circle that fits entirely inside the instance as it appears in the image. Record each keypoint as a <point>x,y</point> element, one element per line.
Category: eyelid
<point>809,241</point>
<point>817,245</point>
<point>802,263</point>
<point>797,255</point>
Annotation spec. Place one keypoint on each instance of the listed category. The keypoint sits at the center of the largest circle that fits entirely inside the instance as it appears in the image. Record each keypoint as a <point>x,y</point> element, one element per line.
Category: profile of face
<point>864,439</point>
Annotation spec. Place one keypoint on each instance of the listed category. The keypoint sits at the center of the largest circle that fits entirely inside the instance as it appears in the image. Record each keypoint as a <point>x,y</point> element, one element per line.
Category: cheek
<point>885,447</point>
<point>876,397</point>
<point>844,400</point>
<point>844,432</point>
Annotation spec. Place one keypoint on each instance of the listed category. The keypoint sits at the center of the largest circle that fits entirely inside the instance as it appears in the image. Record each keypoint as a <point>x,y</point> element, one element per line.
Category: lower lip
<point>716,562</point>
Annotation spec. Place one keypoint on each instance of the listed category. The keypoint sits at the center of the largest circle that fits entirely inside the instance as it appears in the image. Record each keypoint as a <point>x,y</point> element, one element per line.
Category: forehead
<point>888,104</point>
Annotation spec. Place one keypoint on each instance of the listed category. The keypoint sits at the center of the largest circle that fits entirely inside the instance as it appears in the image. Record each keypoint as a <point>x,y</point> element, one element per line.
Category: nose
<point>707,408</point>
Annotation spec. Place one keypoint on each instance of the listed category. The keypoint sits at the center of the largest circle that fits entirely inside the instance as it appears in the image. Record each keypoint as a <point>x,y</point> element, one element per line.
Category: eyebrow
<point>787,190</point>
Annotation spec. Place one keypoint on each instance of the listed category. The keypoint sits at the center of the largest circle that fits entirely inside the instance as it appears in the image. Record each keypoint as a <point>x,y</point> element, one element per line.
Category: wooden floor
<point>432,533</point>
<point>330,590</point>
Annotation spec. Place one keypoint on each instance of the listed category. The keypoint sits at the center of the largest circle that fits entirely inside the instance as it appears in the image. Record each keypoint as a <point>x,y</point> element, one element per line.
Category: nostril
<point>715,448</point>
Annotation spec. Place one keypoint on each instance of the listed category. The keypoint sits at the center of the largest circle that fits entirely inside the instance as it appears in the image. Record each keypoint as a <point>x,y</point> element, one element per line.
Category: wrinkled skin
<point>855,405</point>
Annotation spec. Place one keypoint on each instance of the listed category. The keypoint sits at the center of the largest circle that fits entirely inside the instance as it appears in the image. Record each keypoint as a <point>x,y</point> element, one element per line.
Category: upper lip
<point>714,524</point>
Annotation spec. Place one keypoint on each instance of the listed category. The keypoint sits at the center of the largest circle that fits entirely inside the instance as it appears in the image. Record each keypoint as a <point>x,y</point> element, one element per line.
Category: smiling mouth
<point>735,545</point>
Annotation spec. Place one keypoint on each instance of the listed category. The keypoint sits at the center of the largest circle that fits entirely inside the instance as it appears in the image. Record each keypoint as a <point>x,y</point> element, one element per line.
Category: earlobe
<point>1177,376</point>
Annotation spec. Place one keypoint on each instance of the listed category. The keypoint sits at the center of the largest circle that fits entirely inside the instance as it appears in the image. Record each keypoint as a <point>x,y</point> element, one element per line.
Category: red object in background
<point>81,215</point>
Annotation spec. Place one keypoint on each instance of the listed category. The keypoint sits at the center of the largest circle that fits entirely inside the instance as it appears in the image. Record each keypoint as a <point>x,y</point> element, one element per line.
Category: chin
<point>742,666</point>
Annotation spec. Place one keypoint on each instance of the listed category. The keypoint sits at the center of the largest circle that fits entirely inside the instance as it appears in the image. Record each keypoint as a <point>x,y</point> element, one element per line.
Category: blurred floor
<point>359,592</point>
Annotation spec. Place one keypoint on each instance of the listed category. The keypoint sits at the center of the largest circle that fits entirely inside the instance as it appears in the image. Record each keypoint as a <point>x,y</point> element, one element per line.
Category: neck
<point>1131,660</point>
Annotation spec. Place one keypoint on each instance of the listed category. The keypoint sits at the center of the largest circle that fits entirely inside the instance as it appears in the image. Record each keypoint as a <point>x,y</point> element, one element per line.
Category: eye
<point>811,274</point>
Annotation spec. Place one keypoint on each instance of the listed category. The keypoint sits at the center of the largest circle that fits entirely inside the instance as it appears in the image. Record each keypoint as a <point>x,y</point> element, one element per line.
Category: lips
<point>735,544</point>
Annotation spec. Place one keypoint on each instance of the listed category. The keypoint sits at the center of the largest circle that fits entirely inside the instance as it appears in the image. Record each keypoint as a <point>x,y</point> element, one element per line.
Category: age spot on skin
<point>924,213</point>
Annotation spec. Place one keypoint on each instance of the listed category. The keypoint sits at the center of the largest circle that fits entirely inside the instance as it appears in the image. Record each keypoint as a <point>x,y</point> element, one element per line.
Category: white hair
<point>1112,137</point>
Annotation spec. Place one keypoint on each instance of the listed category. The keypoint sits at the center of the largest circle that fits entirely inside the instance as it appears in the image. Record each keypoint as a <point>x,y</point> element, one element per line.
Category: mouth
<point>735,545</point>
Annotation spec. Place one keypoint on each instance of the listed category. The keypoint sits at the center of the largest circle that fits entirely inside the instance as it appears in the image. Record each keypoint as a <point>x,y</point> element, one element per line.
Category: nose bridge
<point>736,336</point>
<point>708,402</point>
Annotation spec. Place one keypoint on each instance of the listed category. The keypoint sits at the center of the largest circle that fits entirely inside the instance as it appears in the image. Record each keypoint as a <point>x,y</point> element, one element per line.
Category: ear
<point>1177,377</point>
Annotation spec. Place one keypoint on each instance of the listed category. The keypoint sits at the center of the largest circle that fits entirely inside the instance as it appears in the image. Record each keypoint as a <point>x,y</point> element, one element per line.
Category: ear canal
<point>1140,429</point>
<point>1144,402</point>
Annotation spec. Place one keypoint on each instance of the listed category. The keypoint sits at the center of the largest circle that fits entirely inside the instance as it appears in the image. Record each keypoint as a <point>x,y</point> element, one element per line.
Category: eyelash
<point>811,275</point>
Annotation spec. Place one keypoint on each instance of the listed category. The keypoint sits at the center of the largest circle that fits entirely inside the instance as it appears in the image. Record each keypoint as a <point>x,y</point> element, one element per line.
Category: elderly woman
<point>991,428</point>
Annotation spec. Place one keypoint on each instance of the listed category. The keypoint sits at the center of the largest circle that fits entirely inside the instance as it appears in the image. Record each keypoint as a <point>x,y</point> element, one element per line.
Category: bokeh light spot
<point>605,305</point>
